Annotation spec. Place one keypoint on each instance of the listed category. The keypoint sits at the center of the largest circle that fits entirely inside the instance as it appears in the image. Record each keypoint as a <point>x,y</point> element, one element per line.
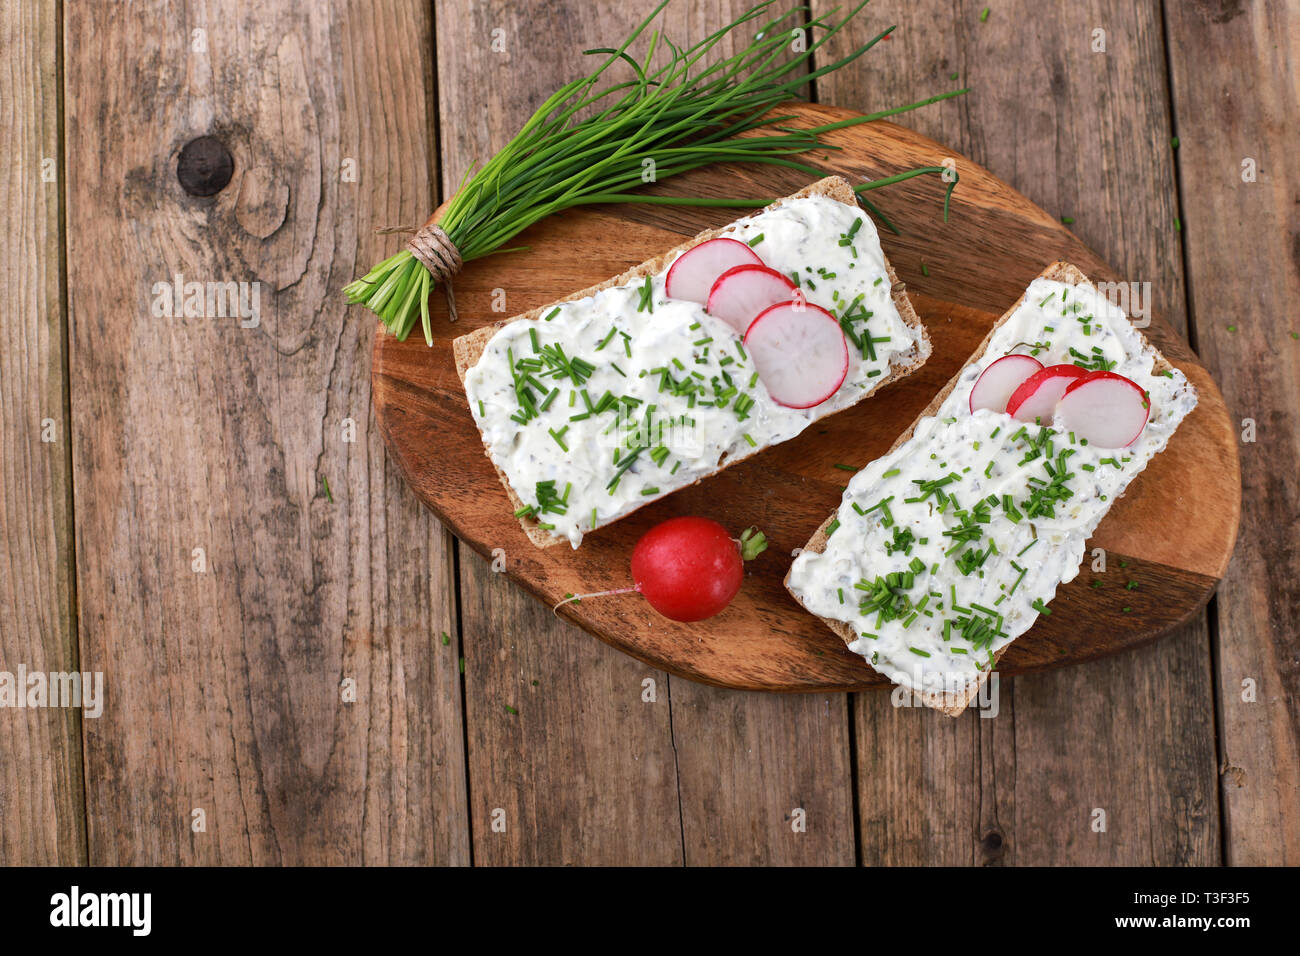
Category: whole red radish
<point>690,568</point>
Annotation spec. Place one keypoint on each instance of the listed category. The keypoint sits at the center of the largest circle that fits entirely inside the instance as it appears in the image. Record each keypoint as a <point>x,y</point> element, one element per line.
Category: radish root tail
<point>572,598</point>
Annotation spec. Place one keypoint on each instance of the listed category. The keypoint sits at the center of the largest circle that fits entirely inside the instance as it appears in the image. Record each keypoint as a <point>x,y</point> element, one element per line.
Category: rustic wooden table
<point>183,511</point>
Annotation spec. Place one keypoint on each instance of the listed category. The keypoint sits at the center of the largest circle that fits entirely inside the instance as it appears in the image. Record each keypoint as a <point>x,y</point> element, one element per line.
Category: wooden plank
<point>602,735</point>
<point>764,778</point>
<point>1243,250</point>
<point>584,773</point>
<point>570,751</point>
<point>226,685</point>
<point>42,800</point>
<point>1056,120</point>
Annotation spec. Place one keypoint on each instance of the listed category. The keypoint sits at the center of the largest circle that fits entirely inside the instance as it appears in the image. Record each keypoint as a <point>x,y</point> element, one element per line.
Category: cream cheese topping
<point>662,393</point>
<point>947,549</point>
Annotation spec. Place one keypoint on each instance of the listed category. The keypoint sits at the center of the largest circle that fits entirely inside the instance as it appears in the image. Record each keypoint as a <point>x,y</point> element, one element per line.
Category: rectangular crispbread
<point>468,349</point>
<point>953,703</point>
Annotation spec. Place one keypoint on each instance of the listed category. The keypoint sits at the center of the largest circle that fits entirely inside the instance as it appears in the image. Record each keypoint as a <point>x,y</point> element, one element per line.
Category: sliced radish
<point>693,274</point>
<point>999,381</point>
<point>1035,400</point>
<point>800,353</point>
<point>744,291</point>
<point>1107,409</point>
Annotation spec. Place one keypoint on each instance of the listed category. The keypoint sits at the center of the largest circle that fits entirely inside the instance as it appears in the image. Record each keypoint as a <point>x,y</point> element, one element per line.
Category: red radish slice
<point>1107,409</point>
<point>999,381</point>
<point>1035,400</point>
<point>800,353</point>
<point>693,274</point>
<point>744,291</point>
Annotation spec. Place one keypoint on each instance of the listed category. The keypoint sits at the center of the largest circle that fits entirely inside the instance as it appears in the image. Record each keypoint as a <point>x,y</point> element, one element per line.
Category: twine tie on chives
<point>437,253</point>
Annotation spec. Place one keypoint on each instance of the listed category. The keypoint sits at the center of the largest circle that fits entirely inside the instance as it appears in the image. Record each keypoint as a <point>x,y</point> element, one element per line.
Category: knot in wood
<point>434,248</point>
<point>204,166</point>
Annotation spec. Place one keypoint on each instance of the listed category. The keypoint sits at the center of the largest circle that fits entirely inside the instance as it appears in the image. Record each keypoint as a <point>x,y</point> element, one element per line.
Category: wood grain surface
<point>223,688</point>
<point>42,804</point>
<point>1243,264</point>
<point>226,686</point>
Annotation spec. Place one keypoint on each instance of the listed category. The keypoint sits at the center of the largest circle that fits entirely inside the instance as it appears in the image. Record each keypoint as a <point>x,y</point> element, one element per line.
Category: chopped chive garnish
<point>647,299</point>
<point>755,241</point>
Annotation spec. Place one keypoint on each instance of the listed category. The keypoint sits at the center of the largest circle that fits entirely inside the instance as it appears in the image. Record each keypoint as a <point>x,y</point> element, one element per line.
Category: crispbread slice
<point>953,703</point>
<point>468,349</point>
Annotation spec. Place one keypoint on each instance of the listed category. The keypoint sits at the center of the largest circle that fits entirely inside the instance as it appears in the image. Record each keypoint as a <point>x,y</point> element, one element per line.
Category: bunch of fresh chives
<point>587,144</point>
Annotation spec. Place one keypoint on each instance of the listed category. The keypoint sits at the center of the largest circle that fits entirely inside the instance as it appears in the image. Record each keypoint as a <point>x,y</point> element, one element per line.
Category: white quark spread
<point>608,402</point>
<point>947,549</point>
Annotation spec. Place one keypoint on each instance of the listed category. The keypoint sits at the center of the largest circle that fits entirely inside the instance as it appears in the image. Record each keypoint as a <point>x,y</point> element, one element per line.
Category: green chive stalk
<point>684,114</point>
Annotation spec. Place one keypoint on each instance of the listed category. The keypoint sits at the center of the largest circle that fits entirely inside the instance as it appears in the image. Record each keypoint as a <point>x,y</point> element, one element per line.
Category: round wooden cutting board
<point>1172,533</point>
